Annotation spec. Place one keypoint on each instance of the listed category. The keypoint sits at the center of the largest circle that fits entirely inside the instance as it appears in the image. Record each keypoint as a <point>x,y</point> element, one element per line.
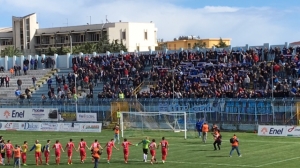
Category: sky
<point>252,22</point>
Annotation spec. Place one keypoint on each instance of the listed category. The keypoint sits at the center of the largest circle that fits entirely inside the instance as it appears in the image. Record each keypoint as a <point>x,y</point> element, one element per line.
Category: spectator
<point>28,93</point>
<point>25,68</point>
<point>18,93</point>
<point>43,63</point>
<point>49,82</point>
<point>56,80</point>
<point>91,87</point>
<point>2,81</point>
<point>33,81</point>
<point>7,81</point>
<point>12,72</point>
<point>32,63</point>
<point>19,83</point>
<point>44,98</point>
<point>49,94</point>
<point>35,64</point>
<point>19,70</point>
<point>59,81</point>
<point>63,79</point>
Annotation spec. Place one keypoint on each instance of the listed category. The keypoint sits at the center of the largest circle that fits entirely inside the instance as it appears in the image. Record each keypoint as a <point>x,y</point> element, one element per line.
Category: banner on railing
<point>87,117</point>
<point>63,127</point>
<point>29,114</point>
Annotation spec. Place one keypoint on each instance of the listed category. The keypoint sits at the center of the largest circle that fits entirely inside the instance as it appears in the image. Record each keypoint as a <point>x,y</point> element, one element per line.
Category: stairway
<point>137,105</point>
<point>298,112</point>
<point>117,106</point>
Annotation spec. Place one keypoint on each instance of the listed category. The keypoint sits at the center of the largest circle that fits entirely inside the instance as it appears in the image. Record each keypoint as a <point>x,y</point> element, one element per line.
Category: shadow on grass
<point>216,156</point>
<point>129,162</point>
<point>193,142</point>
<point>201,150</point>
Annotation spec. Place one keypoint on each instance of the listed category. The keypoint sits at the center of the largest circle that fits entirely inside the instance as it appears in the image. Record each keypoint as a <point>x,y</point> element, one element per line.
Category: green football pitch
<point>264,152</point>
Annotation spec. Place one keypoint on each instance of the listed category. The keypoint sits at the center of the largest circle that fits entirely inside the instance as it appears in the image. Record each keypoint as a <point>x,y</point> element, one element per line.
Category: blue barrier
<point>225,110</point>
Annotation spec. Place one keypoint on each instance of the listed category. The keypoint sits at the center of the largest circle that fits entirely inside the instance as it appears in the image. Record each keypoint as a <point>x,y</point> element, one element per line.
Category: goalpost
<point>153,121</point>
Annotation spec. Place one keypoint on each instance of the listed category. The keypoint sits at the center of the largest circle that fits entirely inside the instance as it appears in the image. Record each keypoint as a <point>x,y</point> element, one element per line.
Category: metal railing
<point>254,111</point>
<point>137,89</point>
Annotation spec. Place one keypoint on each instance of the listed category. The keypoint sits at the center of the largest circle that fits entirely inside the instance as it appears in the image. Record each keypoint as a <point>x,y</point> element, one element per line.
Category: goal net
<point>139,123</point>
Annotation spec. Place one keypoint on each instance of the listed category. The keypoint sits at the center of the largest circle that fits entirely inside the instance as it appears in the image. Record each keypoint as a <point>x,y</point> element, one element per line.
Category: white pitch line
<point>216,164</point>
<point>280,161</point>
<point>274,142</point>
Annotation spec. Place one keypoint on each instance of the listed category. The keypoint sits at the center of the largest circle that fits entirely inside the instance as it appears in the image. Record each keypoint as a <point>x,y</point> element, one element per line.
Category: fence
<point>227,111</point>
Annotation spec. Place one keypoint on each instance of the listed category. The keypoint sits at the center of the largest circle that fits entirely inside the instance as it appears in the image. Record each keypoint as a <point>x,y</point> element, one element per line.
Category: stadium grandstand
<point>157,80</point>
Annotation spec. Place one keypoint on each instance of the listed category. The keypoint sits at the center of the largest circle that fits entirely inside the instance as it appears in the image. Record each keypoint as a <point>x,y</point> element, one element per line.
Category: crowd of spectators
<point>16,71</point>
<point>253,73</point>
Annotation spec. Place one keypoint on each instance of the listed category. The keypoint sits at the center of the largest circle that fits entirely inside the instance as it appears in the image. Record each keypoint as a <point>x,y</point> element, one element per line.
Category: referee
<point>145,143</point>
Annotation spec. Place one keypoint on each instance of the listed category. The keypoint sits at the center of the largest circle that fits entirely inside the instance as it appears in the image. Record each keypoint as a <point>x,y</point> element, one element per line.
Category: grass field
<point>259,152</point>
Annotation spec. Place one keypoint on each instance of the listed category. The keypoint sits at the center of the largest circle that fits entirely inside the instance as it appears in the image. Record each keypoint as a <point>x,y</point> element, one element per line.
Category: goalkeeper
<point>145,143</point>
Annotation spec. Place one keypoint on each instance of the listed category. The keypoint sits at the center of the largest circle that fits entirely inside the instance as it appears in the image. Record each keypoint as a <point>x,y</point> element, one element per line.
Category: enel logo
<point>18,114</point>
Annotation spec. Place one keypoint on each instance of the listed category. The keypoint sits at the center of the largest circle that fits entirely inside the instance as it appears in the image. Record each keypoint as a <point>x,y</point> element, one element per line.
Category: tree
<point>88,48</point>
<point>100,46</point>
<point>10,51</point>
<point>103,44</point>
<point>199,44</point>
<point>51,51</point>
<point>62,50</point>
<point>221,44</point>
<point>77,49</point>
<point>122,46</point>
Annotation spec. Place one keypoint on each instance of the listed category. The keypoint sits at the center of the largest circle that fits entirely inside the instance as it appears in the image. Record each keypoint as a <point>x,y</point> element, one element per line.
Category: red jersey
<point>57,147</point>
<point>126,145</point>
<point>95,145</point>
<point>152,146</point>
<point>70,146</point>
<point>8,147</point>
<point>82,144</point>
<point>164,144</point>
<point>110,145</point>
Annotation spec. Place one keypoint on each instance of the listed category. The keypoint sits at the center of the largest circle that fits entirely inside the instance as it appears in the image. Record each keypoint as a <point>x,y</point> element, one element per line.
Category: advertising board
<point>29,114</point>
<point>272,130</point>
<point>10,126</point>
<point>69,127</point>
<point>86,117</point>
<point>293,131</point>
<point>30,126</point>
<point>50,126</point>
<point>90,127</point>
<point>67,116</point>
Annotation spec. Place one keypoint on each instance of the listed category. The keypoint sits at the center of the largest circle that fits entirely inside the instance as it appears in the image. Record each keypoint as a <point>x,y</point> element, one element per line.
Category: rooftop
<point>5,30</point>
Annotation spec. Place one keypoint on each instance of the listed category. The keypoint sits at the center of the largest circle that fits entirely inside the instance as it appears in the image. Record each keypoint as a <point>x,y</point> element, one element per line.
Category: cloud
<point>252,25</point>
<point>219,9</point>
